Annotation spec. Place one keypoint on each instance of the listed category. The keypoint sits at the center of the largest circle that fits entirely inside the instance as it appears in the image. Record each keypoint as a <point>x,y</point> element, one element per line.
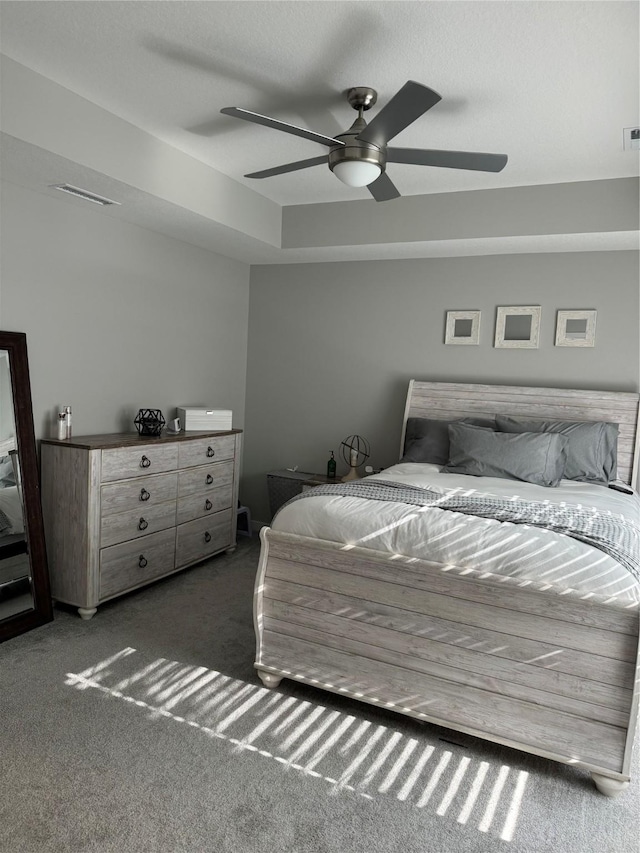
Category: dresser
<point>121,511</point>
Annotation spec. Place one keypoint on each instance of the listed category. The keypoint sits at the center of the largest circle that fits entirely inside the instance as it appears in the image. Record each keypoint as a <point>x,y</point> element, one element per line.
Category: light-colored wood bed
<point>453,649</point>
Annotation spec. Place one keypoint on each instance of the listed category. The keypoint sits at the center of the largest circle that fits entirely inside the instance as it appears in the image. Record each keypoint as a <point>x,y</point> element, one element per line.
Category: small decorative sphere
<point>355,450</point>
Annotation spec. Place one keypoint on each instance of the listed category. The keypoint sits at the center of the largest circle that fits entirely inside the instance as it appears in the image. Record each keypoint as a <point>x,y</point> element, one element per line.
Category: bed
<point>507,630</point>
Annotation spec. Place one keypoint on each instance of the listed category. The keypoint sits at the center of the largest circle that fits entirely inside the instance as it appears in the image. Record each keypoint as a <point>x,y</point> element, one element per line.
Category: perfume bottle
<point>67,411</point>
<point>331,467</point>
<point>62,425</point>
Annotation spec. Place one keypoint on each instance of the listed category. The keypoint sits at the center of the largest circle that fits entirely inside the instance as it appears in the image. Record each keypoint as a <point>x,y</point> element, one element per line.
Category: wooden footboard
<point>545,673</point>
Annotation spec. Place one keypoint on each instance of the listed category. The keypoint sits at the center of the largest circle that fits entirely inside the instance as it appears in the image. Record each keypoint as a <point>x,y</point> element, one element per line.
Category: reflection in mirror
<point>25,595</point>
<point>576,330</point>
<point>15,573</point>
<point>517,327</point>
<point>462,328</point>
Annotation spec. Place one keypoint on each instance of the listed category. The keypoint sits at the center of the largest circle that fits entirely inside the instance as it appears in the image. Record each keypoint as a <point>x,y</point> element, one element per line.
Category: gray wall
<point>332,346</point>
<point>576,207</point>
<point>117,317</point>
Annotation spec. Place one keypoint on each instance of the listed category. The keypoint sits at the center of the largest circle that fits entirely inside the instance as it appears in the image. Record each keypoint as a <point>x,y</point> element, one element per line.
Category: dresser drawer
<point>123,462</point>
<point>131,564</point>
<point>135,523</point>
<point>140,493</point>
<point>198,539</point>
<point>201,504</point>
<point>203,450</point>
<point>206,478</point>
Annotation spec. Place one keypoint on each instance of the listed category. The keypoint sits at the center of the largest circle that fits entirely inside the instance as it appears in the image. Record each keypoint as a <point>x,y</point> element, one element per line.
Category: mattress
<point>521,552</point>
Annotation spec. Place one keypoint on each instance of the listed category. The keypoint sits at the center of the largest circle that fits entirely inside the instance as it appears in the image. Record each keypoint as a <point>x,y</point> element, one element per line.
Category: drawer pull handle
<point>144,495</point>
<point>208,504</point>
<point>142,562</point>
<point>145,462</point>
<point>207,536</point>
<point>209,479</point>
<point>210,451</point>
<point>142,524</point>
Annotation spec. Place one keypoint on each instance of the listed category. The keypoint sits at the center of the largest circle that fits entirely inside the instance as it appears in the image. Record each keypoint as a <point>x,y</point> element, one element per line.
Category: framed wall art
<point>518,326</point>
<point>463,327</point>
<point>576,329</point>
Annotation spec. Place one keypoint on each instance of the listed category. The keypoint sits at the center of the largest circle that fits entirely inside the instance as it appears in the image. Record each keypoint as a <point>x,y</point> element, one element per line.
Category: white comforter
<point>520,551</point>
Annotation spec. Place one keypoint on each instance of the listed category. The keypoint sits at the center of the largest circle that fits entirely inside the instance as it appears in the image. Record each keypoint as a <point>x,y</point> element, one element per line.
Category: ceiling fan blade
<point>256,118</point>
<point>408,104</point>
<point>383,188</point>
<point>474,160</point>
<point>289,167</point>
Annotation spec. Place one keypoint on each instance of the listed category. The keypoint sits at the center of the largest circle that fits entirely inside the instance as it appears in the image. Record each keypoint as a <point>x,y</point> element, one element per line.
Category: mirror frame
<point>563,339</point>
<point>15,343</point>
<point>533,311</point>
<point>450,336</point>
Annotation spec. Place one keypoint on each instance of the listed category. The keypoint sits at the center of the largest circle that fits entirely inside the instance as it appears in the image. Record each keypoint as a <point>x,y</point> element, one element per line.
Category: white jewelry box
<point>202,418</point>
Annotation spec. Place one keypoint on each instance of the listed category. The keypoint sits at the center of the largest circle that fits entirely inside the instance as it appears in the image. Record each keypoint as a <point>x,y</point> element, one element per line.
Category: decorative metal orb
<point>149,422</point>
<point>355,450</point>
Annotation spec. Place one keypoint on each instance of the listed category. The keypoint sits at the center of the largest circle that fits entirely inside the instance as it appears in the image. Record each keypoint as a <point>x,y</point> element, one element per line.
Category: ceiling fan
<point>359,156</point>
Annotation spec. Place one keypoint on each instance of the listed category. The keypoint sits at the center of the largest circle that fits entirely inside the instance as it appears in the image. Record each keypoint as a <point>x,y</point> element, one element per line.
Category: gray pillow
<point>427,439</point>
<point>592,451</point>
<point>533,457</point>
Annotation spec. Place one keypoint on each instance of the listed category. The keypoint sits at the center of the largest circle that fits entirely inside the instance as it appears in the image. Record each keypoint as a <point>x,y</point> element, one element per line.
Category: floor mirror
<point>25,597</point>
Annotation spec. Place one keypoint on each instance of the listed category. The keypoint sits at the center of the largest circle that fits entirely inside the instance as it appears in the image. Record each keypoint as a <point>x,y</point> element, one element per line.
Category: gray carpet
<point>146,729</point>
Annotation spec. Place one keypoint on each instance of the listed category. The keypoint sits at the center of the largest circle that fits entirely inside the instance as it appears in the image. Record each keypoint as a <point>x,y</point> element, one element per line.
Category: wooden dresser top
<point>128,439</point>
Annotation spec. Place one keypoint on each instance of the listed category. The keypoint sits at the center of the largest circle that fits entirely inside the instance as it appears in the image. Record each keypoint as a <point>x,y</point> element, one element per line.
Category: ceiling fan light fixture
<point>357,173</point>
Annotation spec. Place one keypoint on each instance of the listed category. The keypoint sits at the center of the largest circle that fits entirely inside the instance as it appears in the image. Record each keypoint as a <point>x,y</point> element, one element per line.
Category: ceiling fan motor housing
<point>355,149</point>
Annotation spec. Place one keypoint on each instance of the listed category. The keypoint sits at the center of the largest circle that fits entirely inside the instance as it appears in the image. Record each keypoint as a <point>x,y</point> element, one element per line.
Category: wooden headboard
<point>450,400</point>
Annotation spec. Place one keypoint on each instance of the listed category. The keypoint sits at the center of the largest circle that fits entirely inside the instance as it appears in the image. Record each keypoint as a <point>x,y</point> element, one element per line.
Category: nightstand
<point>284,485</point>
<point>318,480</point>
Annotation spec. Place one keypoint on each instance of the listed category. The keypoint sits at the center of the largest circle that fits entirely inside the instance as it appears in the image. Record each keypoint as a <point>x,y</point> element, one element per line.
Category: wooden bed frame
<point>546,674</point>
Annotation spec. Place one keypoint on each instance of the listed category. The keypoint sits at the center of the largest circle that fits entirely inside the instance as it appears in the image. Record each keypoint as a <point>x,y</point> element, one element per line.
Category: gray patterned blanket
<point>617,536</point>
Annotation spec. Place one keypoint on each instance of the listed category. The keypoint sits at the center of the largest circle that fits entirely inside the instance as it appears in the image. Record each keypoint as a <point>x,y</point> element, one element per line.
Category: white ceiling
<point>547,83</point>
<point>552,84</point>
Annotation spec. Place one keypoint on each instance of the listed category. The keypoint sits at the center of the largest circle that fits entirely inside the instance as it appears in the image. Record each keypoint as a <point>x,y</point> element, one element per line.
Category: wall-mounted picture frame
<point>463,327</point>
<point>576,328</point>
<point>518,326</point>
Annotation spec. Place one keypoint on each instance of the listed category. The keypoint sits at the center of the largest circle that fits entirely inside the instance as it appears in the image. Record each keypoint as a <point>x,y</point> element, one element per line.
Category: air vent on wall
<point>76,191</point>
